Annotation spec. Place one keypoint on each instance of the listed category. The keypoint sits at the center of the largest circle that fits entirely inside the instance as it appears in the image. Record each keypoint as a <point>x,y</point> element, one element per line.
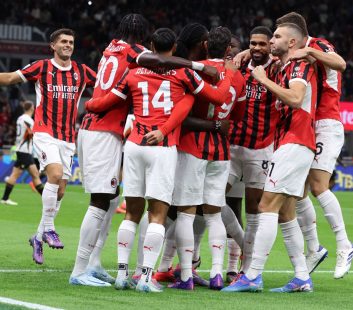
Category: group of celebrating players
<point>265,124</point>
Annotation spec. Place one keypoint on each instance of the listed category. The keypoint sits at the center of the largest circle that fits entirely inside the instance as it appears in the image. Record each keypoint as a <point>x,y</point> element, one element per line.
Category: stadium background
<point>26,25</point>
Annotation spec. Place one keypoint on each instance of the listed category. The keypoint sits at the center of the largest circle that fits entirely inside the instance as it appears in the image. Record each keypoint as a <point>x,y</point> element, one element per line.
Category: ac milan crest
<point>114,182</point>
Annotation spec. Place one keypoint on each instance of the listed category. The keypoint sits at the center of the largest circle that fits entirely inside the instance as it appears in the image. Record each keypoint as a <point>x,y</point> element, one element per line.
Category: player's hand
<point>300,54</point>
<point>154,137</point>
<point>224,130</point>
<point>212,72</point>
<point>229,65</point>
<point>241,58</point>
<point>87,105</point>
<point>259,73</point>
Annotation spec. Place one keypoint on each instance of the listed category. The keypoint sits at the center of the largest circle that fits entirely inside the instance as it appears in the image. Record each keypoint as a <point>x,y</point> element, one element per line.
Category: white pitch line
<point>114,270</point>
<point>28,305</point>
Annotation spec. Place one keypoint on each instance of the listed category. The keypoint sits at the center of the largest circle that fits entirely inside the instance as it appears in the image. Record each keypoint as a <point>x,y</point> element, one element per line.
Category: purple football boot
<point>52,238</point>
<point>183,285</point>
<point>37,250</point>
<point>216,283</point>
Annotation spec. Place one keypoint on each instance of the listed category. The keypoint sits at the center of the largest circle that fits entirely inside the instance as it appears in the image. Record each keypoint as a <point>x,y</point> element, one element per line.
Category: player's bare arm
<point>292,96</point>
<point>242,58</point>
<point>9,78</point>
<point>197,124</point>
<point>331,60</point>
<point>152,60</point>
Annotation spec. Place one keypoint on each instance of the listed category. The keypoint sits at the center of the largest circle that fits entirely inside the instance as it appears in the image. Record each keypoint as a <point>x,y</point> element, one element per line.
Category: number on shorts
<point>265,164</point>
<point>272,166</point>
<point>163,90</point>
<point>319,148</point>
<point>107,63</point>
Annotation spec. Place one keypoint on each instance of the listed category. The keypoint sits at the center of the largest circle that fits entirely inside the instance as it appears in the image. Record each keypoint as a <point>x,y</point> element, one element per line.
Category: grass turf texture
<point>51,288</point>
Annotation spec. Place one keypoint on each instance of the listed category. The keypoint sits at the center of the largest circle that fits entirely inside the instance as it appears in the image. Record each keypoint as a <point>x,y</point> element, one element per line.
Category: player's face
<point>234,48</point>
<point>279,42</point>
<point>259,48</point>
<point>63,47</point>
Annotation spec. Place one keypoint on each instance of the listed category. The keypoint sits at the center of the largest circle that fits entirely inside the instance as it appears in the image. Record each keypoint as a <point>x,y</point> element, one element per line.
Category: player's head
<point>191,42</point>
<point>218,43</point>
<point>62,43</point>
<point>260,44</point>
<point>133,28</point>
<point>235,46</point>
<point>287,37</point>
<point>294,18</point>
<point>28,107</point>
<point>163,40</point>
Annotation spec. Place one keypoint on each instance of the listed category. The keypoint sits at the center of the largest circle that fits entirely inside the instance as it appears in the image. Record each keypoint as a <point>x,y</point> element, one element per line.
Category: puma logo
<point>52,73</point>
<point>124,244</point>
<point>273,182</point>
<point>217,246</point>
<point>190,251</point>
<point>149,248</point>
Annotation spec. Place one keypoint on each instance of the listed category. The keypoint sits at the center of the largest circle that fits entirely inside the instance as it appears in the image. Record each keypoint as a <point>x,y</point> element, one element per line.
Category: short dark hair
<point>218,41</point>
<point>294,18</point>
<point>262,30</point>
<point>293,26</point>
<point>55,35</point>
<point>163,39</point>
<point>133,27</point>
<point>27,105</point>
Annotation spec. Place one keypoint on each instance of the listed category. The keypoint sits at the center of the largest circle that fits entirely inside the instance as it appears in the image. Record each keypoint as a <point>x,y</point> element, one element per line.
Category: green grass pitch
<point>23,280</point>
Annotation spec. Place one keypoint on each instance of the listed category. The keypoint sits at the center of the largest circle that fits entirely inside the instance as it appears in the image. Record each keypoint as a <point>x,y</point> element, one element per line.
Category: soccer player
<point>24,148</point>
<point>202,173</point>
<point>100,145</point>
<point>252,137</point>
<point>59,85</point>
<point>329,141</point>
<point>295,87</point>
<point>154,94</point>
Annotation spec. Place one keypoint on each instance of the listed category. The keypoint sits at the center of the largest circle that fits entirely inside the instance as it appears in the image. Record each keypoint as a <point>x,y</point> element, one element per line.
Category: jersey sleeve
<point>90,76</point>
<point>31,72</point>
<point>191,80</point>
<point>239,83</point>
<point>301,72</point>
<point>324,46</point>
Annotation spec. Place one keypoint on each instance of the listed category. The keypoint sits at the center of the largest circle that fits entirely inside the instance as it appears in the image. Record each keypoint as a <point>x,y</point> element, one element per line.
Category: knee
<point>317,188</point>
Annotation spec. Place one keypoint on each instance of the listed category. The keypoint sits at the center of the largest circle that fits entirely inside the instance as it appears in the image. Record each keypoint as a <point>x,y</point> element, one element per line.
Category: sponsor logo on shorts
<point>114,182</point>
<point>44,156</point>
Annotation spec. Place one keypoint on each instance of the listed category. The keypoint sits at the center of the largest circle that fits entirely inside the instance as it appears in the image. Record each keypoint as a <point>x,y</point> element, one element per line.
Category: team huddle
<point>211,124</point>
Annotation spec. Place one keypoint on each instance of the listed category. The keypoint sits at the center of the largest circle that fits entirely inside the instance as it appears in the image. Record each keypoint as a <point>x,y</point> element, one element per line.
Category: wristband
<point>217,125</point>
<point>197,66</point>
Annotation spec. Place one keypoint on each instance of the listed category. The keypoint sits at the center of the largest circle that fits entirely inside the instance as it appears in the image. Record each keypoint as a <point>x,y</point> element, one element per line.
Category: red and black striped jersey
<point>255,129</point>
<point>154,94</point>
<point>117,59</point>
<point>58,90</point>
<point>212,145</point>
<point>297,125</point>
<point>329,83</point>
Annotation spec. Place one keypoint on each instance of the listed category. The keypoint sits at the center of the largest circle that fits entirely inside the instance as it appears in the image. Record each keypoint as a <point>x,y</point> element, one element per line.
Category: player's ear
<point>174,48</point>
<point>152,48</point>
<point>52,44</point>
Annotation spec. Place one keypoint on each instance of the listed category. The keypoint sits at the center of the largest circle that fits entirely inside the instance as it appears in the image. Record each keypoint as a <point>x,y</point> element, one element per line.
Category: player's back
<point>117,59</point>
<point>24,125</point>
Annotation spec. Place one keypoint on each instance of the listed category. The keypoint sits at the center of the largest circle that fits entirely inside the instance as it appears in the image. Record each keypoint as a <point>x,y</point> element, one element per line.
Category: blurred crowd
<point>95,22</point>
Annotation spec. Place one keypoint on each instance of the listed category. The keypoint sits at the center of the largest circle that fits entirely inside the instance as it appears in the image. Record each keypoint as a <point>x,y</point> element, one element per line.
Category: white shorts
<point>99,154</point>
<point>149,171</point>
<point>200,181</point>
<point>237,190</point>
<point>249,165</point>
<point>329,141</point>
<point>54,151</point>
<point>289,169</point>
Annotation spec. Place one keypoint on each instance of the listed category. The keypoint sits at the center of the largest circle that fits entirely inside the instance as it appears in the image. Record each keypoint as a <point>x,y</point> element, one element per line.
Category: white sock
<point>217,237</point>
<point>49,199</point>
<point>184,235</point>
<point>333,214</point>
<point>142,234</point>
<point>95,258</point>
<point>57,208</point>
<point>89,233</point>
<point>294,242</point>
<point>126,236</point>
<point>252,223</point>
<point>264,240</point>
<point>234,252</point>
<point>199,230</point>
<point>153,244</point>
<point>169,249</point>
<point>232,225</point>
<point>306,217</point>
